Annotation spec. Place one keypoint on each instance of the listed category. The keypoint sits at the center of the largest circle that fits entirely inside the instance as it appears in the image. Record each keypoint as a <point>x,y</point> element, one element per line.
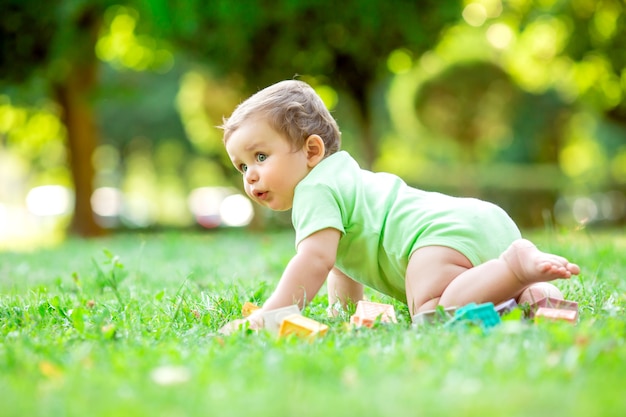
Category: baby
<point>355,227</point>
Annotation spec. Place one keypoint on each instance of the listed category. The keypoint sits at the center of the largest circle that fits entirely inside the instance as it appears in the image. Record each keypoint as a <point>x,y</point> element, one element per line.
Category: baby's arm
<point>303,277</point>
<point>306,272</point>
<point>342,288</point>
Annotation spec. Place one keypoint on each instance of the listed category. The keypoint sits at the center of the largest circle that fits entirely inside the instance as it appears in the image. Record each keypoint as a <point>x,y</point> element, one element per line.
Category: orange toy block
<point>301,326</point>
<point>557,314</point>
<point>248,308</point>
<point>367,312</point>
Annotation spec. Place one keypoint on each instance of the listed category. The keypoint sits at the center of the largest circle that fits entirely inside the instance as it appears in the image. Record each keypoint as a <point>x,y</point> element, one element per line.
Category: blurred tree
<point>552,73</point>
<point>565,54</point>
<point>343,44</point>
<point>467,102</point>
<point>583,39</point>
<point>479,106</point>
<point>55,41</point>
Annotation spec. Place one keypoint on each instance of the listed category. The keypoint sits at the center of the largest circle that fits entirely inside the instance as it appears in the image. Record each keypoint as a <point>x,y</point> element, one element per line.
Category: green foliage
<point>522,82</point>
<point>343,41</point>
<point>112,278</point>
<point>44,38</point>
<point>341,44</point>
<point>25,33</point>
<point>69,345</point>
<point>576,48</point>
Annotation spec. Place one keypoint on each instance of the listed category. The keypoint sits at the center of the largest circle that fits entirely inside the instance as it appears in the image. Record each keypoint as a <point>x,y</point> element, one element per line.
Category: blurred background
<point>108,109</point>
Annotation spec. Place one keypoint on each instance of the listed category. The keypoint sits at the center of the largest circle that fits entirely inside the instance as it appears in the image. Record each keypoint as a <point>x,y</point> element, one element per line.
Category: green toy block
<point>484,315</point>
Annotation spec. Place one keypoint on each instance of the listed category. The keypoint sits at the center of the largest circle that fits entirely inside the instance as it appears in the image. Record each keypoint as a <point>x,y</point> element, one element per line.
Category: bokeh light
<point>216,206</point>
<point>400,61</point>
<point>584,210</point>
<point>475,14</point>
<point>139,211</point>
<point>107,202</point>
<point>49,200</point>
<point>499,35</point>
<point>204,203</point>
<point>236,210</point>
<point>122,47</point>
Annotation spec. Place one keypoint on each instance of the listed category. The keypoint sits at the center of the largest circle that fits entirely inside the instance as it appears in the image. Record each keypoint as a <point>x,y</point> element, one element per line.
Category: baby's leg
<point>519,267</point>
<point>430,271</point>
<point>450,280</point>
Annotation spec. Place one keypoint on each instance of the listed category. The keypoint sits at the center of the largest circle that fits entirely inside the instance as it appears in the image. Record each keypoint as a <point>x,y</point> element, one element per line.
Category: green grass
<point>127,326</point>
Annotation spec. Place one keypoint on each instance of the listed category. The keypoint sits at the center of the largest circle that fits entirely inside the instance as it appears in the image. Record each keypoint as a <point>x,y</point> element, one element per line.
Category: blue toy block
<point>506,307</point>
<point>484,315</point>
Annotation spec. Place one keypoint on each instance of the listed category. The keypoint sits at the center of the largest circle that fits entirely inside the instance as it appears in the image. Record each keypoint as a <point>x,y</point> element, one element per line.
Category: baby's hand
<point>232,326</point>
<point>255,320</point>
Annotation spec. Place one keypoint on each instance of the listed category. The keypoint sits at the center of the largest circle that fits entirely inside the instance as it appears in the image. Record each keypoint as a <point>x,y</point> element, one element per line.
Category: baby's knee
<point>428,305</point>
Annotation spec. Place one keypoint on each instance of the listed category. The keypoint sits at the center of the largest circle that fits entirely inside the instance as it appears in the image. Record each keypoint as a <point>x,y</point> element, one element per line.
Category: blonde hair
<point>293,109</point>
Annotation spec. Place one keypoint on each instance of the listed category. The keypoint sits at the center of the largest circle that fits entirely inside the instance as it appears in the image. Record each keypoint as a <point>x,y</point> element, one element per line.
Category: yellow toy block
<point>248,308</point>
<point>557,314</point>
<point>301,326</point>
<point>367,312</point>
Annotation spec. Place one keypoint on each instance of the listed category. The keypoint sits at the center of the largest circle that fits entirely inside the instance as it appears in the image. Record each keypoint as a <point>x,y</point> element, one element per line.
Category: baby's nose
<point>251,176</point>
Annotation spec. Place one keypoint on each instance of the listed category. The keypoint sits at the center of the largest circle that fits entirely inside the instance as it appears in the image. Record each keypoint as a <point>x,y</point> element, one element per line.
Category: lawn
<point>127,326</point>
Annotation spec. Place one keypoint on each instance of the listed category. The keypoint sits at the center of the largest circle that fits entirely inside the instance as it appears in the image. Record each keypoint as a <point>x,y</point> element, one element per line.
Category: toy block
<point>367,312</point>
<point>301,326</point>
<point>248,308</point>
<point>557,314</point>
<point>436,316</point>
<point>554,303</point>
<point>272,319</point>
<point>506,307</point>
<point>484,315</point>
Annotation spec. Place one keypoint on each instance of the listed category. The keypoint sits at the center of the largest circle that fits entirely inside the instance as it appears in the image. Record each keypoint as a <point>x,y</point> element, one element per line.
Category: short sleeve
<point>315,207</point>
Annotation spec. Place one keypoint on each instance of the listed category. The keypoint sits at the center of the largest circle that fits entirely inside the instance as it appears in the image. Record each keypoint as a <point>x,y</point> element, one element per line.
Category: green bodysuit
<point>383,221</point>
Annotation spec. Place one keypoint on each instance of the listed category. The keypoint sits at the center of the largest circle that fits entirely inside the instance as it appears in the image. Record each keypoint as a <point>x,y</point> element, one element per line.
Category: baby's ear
<point>315,149</point>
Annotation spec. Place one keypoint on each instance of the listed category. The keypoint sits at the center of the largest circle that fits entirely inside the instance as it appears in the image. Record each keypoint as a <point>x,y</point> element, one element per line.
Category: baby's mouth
<point>261,195</point>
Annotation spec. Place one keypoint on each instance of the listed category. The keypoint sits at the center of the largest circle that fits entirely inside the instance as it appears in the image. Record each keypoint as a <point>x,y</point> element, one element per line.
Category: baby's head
<point>293,109</point>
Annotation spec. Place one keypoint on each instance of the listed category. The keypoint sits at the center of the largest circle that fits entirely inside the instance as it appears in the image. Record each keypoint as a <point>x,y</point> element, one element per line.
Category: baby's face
<point>270,167</point>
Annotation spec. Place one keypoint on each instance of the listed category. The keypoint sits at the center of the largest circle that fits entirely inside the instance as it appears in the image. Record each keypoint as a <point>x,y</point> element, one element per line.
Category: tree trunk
<point>369,142</point>
<point>74,96</point>
<point>364,114</point>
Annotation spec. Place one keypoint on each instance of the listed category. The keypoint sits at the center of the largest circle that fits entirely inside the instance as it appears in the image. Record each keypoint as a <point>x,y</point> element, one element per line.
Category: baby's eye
<point>243,167</point>
<point>261,157</point>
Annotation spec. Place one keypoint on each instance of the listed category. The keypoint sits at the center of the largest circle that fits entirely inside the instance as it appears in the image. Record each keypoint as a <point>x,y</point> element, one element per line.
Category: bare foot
<point>530,265</point>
